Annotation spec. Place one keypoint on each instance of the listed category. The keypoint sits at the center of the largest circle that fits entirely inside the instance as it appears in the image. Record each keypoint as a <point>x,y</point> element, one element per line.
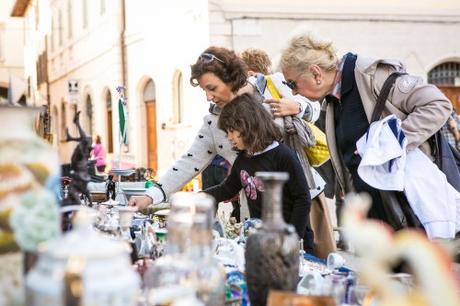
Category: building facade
<point>76,52</point>
<point>421,33</point>
<point>92,47</point>
<point>11,40</point>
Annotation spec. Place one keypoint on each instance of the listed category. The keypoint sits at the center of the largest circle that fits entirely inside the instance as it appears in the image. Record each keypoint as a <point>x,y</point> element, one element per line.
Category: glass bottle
<point>209,273</point>
<point>175,269</point>
<point>272,253</point>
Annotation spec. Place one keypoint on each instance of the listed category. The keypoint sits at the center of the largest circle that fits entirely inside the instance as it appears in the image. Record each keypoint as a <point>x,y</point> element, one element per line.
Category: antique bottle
<point>175,269</point>
<point>272,253</point>
<point>209,276</point>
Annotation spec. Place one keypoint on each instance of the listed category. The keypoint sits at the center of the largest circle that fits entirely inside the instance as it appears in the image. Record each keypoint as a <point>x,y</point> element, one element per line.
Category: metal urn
<point>272,253</point>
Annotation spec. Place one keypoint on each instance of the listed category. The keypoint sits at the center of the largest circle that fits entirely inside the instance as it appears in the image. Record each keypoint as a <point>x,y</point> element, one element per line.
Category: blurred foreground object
<point>83,268</point>
<point>381,249</point>
<point>276,298</point>
<point>29,187</point>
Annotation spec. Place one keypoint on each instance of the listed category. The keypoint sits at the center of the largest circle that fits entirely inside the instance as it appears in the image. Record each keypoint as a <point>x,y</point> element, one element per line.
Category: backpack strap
<point>383,96</point>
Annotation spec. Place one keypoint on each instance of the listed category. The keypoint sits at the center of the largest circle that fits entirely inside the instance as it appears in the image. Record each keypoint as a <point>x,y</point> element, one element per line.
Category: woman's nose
<point>209,96</point>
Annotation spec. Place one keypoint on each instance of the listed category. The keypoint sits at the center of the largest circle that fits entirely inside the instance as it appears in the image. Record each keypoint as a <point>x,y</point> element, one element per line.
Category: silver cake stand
<point>121,197</point>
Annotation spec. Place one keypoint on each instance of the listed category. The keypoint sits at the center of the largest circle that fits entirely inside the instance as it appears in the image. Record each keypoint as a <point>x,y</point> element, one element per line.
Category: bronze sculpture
<point>79,166</point>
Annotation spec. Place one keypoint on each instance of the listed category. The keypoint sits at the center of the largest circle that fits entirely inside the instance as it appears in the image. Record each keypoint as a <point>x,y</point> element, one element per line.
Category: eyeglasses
<point>208,57</point>
<point>292,84</point>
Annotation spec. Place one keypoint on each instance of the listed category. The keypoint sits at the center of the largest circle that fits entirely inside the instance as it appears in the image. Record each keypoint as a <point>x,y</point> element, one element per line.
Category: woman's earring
<point>318,82</point>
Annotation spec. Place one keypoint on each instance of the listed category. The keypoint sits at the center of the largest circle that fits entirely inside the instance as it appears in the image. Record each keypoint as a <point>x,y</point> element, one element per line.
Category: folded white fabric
<point>383,155</point>
<point>385,165</point>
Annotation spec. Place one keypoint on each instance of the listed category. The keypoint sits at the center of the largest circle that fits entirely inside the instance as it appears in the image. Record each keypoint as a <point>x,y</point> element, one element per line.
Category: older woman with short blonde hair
<point>350,87</point>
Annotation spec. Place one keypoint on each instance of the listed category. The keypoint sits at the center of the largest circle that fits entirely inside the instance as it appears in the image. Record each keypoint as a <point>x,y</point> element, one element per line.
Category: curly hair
<point>257,60</point>
<point>246,115</point>
<point>227,66</point>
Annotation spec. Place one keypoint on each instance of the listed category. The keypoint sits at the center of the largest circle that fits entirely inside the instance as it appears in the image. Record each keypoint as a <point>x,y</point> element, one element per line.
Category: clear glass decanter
<point>174,270</point>
<point>209,273</point>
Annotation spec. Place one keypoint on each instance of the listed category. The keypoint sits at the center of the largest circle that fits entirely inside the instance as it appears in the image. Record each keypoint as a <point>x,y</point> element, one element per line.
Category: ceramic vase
<point>29,186</point>
<point>272,252</point>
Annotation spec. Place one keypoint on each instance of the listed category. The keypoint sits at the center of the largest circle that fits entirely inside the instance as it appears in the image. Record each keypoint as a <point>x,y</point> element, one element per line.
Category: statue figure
<point>79,166</point>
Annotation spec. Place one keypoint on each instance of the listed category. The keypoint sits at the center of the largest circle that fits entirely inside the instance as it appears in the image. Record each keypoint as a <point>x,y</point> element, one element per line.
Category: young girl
<point>251,131</point>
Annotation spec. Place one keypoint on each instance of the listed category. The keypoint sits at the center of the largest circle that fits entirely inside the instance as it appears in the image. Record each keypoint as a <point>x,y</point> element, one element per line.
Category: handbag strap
<point>272,88</point>
<point>380,105</point>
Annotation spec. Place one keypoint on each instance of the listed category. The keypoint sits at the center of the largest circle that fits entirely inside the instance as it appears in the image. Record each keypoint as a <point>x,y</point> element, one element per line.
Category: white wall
<point>161,38</point>
<point>11,44</point>
<point>421,33</point>
<point>168,39</point>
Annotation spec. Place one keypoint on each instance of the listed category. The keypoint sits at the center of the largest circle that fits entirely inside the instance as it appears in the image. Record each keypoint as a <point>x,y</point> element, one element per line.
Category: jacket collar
<point>348,76</point>
<point>369,65</point>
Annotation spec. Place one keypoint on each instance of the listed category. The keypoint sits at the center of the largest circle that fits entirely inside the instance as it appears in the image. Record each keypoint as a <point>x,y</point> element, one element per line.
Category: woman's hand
<point>140,202</point>
<point>283,107</point>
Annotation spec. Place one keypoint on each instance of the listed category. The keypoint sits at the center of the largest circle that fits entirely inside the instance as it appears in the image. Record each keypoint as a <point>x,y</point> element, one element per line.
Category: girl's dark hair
<point>98,139</point>
<point>246,115</point>
<point>228,67</point>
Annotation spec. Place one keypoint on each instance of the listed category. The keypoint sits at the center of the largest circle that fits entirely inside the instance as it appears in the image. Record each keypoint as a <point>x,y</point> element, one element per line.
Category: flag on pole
<point>122,116</point>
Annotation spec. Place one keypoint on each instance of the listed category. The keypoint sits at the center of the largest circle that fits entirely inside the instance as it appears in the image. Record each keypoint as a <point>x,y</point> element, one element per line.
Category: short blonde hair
<point>304,50</point>
<point>257,60</point>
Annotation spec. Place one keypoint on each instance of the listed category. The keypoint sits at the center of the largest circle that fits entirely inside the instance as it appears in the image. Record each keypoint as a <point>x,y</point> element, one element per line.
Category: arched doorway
<point>3,92</point>
<point>88,115</point>
<point>446,76</point>
<point>108,103</point>
<point>149,97</point>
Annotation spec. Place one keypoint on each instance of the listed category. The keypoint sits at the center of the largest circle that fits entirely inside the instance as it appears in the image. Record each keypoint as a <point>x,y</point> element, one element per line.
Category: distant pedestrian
<point>98,153</point>
<point>451,132</point>
<point>257,60</point>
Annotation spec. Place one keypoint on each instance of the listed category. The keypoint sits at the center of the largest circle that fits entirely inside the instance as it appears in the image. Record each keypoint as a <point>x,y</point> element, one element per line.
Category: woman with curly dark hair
<point>251,131</point>
<point>221,74</point>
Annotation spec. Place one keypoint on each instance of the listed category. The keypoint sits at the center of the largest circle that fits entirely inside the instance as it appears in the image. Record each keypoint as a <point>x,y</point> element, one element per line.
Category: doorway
<point>453,94</point>
<point>149,97</point>
<point>108,103</point>
<point>446,77</point>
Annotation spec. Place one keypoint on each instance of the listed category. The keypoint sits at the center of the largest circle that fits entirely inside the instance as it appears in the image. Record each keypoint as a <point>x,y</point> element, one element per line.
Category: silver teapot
<point>83,268</point>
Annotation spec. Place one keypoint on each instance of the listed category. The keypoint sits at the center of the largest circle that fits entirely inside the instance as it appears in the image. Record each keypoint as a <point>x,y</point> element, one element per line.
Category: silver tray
<point>123,172</point>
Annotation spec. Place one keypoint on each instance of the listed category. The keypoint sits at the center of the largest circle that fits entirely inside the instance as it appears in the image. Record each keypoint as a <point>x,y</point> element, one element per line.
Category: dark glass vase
<point>272,253</point>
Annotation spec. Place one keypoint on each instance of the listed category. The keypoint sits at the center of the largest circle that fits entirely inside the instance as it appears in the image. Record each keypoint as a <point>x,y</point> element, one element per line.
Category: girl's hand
<point>283,107</point>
